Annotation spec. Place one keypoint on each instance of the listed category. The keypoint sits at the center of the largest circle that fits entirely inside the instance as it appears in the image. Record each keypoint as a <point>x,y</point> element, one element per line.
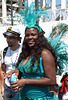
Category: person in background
<point>63,89</point>
<point>36,67</point>
<point>0,62</point>
<point>10,57</point>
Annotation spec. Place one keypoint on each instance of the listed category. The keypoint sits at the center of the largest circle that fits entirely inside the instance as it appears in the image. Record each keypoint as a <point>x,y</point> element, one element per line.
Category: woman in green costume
<point>36,67</point>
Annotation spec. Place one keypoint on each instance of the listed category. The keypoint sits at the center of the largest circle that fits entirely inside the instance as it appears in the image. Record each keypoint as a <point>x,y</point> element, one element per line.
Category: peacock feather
<point>60,47</point>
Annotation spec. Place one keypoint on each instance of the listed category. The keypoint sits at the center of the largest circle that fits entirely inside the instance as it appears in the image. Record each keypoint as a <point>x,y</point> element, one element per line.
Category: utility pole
<point>11,14</point>
<point>36,6</point>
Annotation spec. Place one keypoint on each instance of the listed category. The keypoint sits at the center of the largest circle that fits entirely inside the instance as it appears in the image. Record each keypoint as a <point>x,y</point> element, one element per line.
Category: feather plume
<point>29,15</point>
<point>55,39</point>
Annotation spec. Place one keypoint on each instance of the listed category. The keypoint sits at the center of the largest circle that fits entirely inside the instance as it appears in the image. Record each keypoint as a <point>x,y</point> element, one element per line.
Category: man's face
<point>11,41</point>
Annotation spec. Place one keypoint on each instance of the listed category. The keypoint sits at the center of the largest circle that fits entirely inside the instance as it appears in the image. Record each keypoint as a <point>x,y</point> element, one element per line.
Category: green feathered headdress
<point>29,16</point>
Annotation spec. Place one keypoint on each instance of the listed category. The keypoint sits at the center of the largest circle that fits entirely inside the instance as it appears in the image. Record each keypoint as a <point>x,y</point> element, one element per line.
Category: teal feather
<point>30,15</point>
<point>60,47</point>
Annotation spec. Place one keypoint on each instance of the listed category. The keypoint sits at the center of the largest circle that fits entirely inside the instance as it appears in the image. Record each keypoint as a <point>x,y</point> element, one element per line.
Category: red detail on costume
<point>63,85</point>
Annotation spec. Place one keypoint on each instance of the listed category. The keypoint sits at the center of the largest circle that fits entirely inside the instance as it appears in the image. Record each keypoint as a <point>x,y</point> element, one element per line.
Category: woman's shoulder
<point>46,54</point>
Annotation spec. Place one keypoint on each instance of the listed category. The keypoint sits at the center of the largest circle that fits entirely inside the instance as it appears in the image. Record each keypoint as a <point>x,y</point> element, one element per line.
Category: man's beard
<point>10,45</point>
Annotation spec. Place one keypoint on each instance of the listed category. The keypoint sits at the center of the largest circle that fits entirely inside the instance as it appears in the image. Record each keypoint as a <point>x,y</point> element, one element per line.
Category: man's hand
<point>11,72</point>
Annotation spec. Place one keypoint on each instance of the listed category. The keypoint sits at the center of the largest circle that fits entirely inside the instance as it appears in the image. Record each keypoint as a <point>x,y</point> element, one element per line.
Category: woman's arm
<point>2,81</point>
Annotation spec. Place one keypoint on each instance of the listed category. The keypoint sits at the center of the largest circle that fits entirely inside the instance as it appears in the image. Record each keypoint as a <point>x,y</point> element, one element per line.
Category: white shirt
<point>65,96</point>
<point>10,58</point>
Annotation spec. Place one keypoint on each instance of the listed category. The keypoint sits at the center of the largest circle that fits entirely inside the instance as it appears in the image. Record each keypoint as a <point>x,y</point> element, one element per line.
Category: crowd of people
<point>33,64</point>
<point>35,67</point>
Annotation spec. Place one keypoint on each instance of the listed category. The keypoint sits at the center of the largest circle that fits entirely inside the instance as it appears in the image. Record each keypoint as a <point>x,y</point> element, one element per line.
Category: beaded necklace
<point>13,63</point>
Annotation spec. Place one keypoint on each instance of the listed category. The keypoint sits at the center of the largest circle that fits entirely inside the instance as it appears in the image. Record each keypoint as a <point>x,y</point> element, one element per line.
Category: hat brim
<point>9,34</point>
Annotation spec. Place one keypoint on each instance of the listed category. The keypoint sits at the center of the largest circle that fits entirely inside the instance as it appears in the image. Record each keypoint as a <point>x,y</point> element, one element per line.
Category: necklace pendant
<point>13,66</point>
